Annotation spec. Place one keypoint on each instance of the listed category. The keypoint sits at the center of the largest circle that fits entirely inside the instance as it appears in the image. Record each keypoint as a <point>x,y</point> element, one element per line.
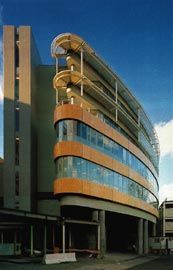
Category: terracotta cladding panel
<point>68,112</point>
<point>79,186</point>
<point>76,112</point>
<point>67,148</point>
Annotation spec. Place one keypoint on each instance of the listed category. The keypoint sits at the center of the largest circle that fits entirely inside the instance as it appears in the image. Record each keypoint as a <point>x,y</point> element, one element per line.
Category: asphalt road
<point>162,263</point>
<point>141,263</point>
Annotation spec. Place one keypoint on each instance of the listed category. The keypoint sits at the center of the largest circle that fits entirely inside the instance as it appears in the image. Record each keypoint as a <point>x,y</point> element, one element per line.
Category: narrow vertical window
<point>17,151</point>
<point>17,183</point>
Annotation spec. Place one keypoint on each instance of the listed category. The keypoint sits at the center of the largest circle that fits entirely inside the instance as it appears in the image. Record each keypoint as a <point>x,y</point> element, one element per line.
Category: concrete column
<point>145,236</point>
<point>70,240</point>
<point>15,241</point>
<point>31,239</point>
<point>98,238</point>
<point>45,240</point>
<point>53,237</point>
<point>154,230</point>
<point>102,233</point>
<point>63,237</point>
<point>140,236</point>
<point>95,215</point>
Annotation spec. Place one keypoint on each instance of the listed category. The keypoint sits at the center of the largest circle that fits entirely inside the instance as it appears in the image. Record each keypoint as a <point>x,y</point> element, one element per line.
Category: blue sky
<point>134,37</point>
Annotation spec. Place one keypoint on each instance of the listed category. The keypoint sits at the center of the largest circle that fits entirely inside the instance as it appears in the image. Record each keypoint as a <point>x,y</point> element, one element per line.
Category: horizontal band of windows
<point>76,167</point>
<point>74,130</point>
<point>77,113</point>
<point>74,148</point>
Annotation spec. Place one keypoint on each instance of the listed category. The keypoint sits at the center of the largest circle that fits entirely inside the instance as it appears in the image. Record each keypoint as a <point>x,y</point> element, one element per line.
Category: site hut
<point>102,177</point>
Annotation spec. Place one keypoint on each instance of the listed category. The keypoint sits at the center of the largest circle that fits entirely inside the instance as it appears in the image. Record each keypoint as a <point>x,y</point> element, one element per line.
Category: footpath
<point>111,261</point>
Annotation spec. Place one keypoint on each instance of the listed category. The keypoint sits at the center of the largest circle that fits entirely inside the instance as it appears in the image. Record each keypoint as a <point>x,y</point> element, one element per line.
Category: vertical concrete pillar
<point>102,233</point>
<point>70,240</point>
<point>154,230</point>
<point>63,237</point>
<point>92,232</point>
<point>15,241</point>
<point>95,215</point>
<point>140,236</point>
<point>31,239</point>
<point>98,238</point>
<point>145,236</point>
<point>53,237</point>
<point>45,240</point>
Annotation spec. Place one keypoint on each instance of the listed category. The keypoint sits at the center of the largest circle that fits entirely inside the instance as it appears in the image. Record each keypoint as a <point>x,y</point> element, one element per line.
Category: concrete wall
<point>36,133</point>
<point>19,52</point>
<point>46,138</point>
<point>28,60</point>
<point>9,120</point>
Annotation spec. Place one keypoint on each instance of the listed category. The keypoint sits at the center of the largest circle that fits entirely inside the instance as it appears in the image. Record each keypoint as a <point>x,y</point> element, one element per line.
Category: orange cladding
<point>81,186</point>
<point>69,111</point>
<point>72,148</point>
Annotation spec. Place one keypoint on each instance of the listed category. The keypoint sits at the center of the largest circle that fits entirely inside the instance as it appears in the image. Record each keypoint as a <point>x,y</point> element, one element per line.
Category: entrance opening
<point>121,232</point>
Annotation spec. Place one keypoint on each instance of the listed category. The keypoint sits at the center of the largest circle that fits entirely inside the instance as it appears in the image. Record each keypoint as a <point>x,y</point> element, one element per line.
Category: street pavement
<point>162,263</point>
<point>111,262</point>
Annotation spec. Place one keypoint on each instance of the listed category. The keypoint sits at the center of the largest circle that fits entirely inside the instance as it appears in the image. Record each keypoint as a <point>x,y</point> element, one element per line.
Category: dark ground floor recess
<point>79,229</point>
<point>121,230</point>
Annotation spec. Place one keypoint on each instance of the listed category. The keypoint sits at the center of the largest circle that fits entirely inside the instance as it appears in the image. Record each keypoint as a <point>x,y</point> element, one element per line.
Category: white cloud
<point>166,192</point>
<point>165,135</point>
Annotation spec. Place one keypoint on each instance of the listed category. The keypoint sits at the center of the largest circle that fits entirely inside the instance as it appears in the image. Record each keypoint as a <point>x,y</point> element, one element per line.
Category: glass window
<point>88,135</point>
<point>105,176</point>
<point>78,129</point>
<point>124,185</point>
<point>101,172</point>
<point>84,131</point>
<point>93,136</point>
<point>124,156</point>
<point>100,140</point>
<point>110,178</point>
<point>69,130</point>
<point>65,166</point>
<point>80,168</point>
<point>83,169</point>
<point>74,167</point>
<point>65,130</point>
<point>70,166</point>
<point>106,143</point>
<point>60,131</point>
<point>59,167</point>
<point>17,119</point>
<point>17,183</point>
<point>120,182</point>
<point>116,184</point>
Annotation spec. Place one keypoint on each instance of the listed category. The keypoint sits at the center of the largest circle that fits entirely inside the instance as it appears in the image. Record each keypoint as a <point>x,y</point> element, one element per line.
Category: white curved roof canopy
<point>66,42</point>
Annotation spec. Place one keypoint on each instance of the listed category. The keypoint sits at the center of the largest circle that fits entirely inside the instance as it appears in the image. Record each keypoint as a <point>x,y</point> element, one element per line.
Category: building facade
<point>104,166</point>
<point>166,219</point>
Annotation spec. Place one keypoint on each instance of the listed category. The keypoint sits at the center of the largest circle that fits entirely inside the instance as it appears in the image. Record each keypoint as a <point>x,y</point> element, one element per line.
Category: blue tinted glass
<point>81,168</point>
<point>68,129</point>
<point>93,136</point>
<point>100,140</point>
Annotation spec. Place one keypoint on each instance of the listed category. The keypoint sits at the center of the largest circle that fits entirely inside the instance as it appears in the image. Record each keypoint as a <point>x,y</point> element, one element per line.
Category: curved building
<point>106,153</point>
